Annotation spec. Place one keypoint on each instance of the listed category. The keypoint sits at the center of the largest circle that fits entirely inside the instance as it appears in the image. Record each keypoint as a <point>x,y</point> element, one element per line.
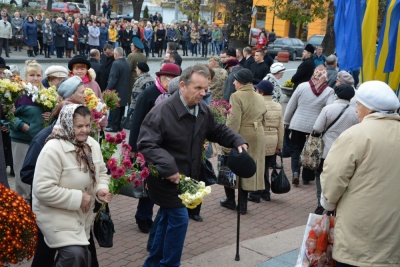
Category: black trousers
<point>116,117</point>
<point>297,141</point>
<point>204,49</point>
<point>4,44</point>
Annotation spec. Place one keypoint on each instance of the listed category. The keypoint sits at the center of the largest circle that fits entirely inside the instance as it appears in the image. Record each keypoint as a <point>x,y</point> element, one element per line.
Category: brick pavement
<point>218,229</point>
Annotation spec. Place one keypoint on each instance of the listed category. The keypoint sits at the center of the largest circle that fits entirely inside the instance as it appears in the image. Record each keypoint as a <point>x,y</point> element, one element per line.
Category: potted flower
<point>287,88</point>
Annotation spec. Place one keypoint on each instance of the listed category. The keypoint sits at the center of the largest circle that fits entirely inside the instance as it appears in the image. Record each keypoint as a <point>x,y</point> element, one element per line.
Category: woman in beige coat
<point>248,111</point>
<point>273,134</point>
<point>64,190</point>
<point>360,179</point>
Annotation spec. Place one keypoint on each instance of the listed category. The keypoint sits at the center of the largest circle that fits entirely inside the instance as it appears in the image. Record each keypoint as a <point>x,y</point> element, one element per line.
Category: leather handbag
<point>130,190</point>
<point>103,228</point>
<point>207,174</point>
<point>82,40</point>
<point>311,154</point>
<point>225,176</point>
<point>279,182</point>
<point>126,121</point>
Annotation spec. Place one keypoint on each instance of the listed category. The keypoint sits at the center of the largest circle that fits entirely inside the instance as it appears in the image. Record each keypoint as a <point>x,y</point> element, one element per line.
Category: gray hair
<point>187,73</point>
<point>119,51</point>
<point>330,60</point>
<point>247,50</point>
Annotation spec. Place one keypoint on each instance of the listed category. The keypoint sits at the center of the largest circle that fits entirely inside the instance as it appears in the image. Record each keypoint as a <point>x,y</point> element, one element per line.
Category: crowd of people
<point>160,109</point>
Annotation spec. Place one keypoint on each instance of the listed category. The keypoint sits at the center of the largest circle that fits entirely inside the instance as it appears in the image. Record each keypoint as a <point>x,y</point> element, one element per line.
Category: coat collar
<point>247,87</point>
<point>69,147</point>
<point>180,109</point>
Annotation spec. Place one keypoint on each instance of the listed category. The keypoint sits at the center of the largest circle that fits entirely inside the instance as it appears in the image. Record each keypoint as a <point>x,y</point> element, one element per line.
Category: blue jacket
<point>30,33</point>
<point>103,38</point>
<point>148,34</point>
<point>319,60</point>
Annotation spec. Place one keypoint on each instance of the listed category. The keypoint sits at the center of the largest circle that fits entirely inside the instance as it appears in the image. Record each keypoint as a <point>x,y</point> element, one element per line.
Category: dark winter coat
<point>106,64</point>
<point>205,35</point>
<point>119,80</point>
<point>98,69</point>
<point>59,35</point>
<point>39,24</point>
<point>83,31</point>
<point>69,44</point>
<point>103,38</point>
<point>259,70</point>
<point>30,33</point>
<point>126,37</point>
<point>304,72</point>
<point>250,61</point>
<point>172,140</point>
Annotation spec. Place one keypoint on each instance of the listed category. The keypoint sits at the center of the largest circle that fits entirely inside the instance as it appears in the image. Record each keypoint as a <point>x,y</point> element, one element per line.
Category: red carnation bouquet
<point>18,231</point>
<point>123,171</point>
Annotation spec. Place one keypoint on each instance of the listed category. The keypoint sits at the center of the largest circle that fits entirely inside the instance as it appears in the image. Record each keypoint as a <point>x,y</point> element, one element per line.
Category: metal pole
<point>237,257</point>
<point>176,9</point>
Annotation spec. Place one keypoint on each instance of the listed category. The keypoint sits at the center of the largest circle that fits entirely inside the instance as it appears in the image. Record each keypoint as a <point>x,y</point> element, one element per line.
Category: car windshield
<point>71,7</point>
<point>81,6</point>
<point>316,39</point>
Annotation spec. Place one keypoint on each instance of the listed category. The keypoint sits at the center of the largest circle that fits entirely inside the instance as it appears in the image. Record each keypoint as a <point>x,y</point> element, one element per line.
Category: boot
<point>229,201</point>
<point>242,207</point>
<point>48,52</point>
<point>45,54</point>
<point>20,48</point>
<point>30,53</point>
<point>15,48</point>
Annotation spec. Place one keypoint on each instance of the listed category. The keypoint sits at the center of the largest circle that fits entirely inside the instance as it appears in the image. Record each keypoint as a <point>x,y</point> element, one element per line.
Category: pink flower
<point>123,134</point>
<point>113,168</point>
<point>120,171</point>
<point>130,179</point>
<point>127,163</point>
<point>126,146</point>
<point>140,159</point>
<point>111,162</point>
<point>118,135</point>
<point>133,175</point>
<point>114,175</point>
<point>144,173</point>
<point>137,183</point>
<point>108,137</point>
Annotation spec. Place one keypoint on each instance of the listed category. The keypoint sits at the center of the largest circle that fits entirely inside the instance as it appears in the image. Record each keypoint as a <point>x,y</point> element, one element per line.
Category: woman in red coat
<point>261,41</point>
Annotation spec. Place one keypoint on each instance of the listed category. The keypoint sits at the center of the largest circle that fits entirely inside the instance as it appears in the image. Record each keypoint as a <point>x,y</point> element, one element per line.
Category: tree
<point>300,11</point>
<point>49,5</point>
<point>92,7</point>
<point>137,8</point>
<point>329,40</point>
<point>146,12</point>
<point>192,8</point>
<point>238,20</point>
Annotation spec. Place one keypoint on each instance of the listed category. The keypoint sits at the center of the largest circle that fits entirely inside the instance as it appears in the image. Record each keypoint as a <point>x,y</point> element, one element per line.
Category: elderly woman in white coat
<point>345,116</point>
<point>94,33</point>
<point>301,113</point>
<point>65,190</point>
<point>361,181</point>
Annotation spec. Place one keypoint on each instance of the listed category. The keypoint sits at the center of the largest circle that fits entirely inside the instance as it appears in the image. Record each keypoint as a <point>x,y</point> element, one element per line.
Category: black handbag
<point>103,228</point>
<point>130,190</point>
<point>225,176</point>
<point>207,174</point>
<point>279,182</point>
<point>126,121</point>
<point>286,149</point>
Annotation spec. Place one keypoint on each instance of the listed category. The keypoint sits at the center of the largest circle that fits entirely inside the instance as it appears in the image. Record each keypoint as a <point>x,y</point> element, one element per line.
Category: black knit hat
<point>265,86</point>
<point>143,66</point>
<point>310,48</point>
<point>241,164</point>
<point>244,76</point>
<point>345,91</point>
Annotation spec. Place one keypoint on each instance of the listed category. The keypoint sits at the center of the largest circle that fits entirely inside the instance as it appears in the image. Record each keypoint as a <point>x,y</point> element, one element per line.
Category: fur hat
<point>241,164</point>
<point>244,76</point>
<point>377,96</point>
<point>310,48</point>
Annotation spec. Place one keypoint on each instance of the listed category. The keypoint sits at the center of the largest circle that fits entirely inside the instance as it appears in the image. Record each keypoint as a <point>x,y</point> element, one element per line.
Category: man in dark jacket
<point>260,69</point>
<point>96,66</point>
<point>233,66</point>
<point>249,59</point>
<point>106,61</point>
<point>59,37</point>
<point>306,69</point>
<point>119,81</point>
<point>144,104</point>
<point>162,143</point>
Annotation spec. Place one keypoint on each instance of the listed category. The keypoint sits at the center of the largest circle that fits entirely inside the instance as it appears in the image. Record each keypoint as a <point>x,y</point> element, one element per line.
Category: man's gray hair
<point>247,50</point>
<point>187,73</point>
<point>119,51</point>
<point>330,60</point>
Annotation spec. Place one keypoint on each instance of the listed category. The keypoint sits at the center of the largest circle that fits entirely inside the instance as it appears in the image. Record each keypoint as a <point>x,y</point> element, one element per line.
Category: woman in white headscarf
<point>361,181</point>
<point>64,191</point>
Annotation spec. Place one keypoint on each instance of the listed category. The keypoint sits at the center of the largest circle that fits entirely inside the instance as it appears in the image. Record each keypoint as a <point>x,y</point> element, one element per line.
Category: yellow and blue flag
<point>369,37</point>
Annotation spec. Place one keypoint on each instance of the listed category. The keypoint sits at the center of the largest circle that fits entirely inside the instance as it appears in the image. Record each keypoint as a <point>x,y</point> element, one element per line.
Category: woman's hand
<point>104,195</point>
<point>46,116</point>
<point>25,128</point>
<point>86,200</point>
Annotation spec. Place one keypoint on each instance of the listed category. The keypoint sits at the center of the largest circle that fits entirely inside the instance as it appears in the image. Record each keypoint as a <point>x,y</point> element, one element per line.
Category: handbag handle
<point>337,118</point>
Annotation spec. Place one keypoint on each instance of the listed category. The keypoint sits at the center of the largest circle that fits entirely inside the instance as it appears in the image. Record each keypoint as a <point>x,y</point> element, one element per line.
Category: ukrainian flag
<point>388,53</point>
<point>369,37</point>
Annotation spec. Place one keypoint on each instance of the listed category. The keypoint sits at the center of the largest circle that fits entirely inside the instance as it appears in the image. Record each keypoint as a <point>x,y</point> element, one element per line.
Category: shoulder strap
<point>341,113</point>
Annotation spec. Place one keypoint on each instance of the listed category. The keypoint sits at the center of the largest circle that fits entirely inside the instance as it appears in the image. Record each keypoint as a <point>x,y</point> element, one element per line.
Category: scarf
<point>64,129</point>
<point>159,86</point>
<point>318,81</point>
<point>85,79</point>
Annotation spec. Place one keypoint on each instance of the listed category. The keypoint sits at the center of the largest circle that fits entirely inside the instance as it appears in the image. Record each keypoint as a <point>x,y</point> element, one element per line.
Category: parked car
<point>253,36</point>
<point>315,39</point>
<point>294,46</point>
<point>127,17</point>
<point>63,8</point>
<point>82,8</point>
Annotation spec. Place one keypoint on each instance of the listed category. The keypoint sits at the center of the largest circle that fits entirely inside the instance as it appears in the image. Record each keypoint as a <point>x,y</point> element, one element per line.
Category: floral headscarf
<point>64,129</point>
<point>318,81</point>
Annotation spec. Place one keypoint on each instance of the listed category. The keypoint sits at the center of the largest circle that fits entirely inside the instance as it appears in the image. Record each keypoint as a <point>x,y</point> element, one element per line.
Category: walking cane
<point>237,257</point>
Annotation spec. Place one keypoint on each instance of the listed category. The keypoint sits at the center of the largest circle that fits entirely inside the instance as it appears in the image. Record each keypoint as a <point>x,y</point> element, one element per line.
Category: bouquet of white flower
<point>192,191</point>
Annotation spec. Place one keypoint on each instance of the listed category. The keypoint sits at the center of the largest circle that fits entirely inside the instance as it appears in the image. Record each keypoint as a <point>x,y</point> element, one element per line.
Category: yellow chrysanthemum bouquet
<point>192,191</point>
<point>288,83</point>
<point>9,92</point>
